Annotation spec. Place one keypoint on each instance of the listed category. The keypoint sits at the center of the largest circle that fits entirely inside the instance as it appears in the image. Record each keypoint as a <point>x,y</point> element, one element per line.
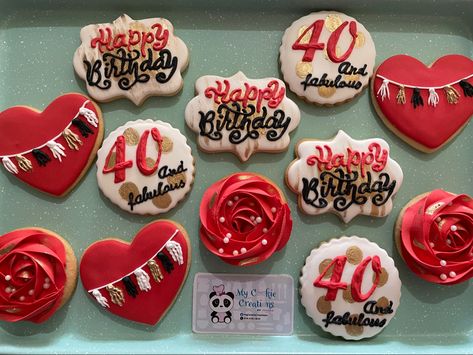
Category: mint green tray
<point>37,42</point>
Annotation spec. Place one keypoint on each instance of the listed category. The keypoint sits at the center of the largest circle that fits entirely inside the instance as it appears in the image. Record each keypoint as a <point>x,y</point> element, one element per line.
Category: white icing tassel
<point>89,114</point>
<point>57,149</point>
<point>174,248</point>
<point>433,98</point>
<point>100,299</point>
<point>384,90</point>
<point>143,280</point>
<point>8,164</point>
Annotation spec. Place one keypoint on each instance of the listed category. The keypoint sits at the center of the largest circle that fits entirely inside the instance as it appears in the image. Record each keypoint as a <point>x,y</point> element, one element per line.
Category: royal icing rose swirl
<point>244,219</point>
<point>436,237</point>
<point>33,275</point>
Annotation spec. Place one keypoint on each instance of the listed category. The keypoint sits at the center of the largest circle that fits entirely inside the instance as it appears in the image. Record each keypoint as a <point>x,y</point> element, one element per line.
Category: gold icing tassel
<point>116,295</point>
<point>24,163</point>
<point>452,94</point>
<point>155,271</point>
<point>72,139</point>
<point>401,96</point>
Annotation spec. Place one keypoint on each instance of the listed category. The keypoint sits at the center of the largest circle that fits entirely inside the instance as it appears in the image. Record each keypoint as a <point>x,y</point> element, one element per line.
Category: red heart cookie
<point>138,281</point>
<point>51,150</point>
<point>425,105</point>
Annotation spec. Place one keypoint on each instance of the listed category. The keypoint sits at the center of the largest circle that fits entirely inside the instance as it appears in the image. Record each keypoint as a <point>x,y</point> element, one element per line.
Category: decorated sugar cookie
<point>344,176</point>
<point>130,58</point>
<point>350,287</point>
<point>327,57</point>
<point>244,219</point>
<point>241,115</point>
<point>38,274</point>
<point>426,106</point>
<point>51,150</point>
<point>145,167</point>
<point>434,235</point>
<point>138,281</point>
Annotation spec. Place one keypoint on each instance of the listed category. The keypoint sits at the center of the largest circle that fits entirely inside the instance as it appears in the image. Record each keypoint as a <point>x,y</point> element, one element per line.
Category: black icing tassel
<point>467,88</point>
<point>416,99</point>
<point>130,286</point>
<point>167,263</point>
<point>82,127</point>
<point>41,157</point>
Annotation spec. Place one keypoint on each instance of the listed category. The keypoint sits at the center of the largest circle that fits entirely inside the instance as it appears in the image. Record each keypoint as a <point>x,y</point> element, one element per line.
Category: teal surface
<point>37,42</point>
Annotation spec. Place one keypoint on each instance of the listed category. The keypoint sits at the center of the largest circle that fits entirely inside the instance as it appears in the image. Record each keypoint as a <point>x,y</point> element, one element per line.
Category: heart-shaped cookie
<point>425,105</point>
<point>51,150</point>
<point>138,281</point>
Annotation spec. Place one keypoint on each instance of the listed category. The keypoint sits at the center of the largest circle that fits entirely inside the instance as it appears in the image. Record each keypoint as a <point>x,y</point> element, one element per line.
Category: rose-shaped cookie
<point>245,219</point>
<point>38,274</point>
<point>434,234</point>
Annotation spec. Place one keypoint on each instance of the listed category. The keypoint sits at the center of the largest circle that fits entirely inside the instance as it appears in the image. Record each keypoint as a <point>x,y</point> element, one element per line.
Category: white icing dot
<point>7,277</point>
<point>264,242</point>
<point>235,252</point>
<point>438,219</point>
<point>443,262</point>
<point>46,285</point>
<point>431,244</point>
<point>7,289</point>
<point>230,203</point>
<point>31,292</point>
<point>47,280</point>
<point>252,218</point>
<point>243,250</point>
<point>443,277</point>
<point>229,235</point>
<point>452,274</point>
<point>453,228</point>
<point>226,240</point>
<point>273,209</point>
<point>449,241</point>
<point>22,298</point>
<point>221,219</point>
<point>220,250</point>
<point>259,220</point>
<point>265,230</point>
<point>236,198</point>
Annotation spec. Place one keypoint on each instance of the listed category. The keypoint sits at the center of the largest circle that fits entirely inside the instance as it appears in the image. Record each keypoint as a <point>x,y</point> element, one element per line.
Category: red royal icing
<point>24,128</point>
<point>250,212</point>
<point>426,125</point>
<point>437,237</point>
<point>109,260</point>
<point>32,275</point>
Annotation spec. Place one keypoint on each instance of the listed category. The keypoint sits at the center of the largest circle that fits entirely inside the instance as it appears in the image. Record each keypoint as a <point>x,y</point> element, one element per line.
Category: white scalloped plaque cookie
<point>344,176</point>
<point>241,115</point>
<point>130,58</point>
<point>145,167</point>
<point>327,57</point>
<point>350,287</point>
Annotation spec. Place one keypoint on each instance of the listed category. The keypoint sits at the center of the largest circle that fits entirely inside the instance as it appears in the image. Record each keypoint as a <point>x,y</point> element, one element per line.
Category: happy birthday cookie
<point>145,167</point>
<point>131,58</point>
<point>327,57</point>
<point>241,115</point>
<point>344,176</point>
<point>350,287</point>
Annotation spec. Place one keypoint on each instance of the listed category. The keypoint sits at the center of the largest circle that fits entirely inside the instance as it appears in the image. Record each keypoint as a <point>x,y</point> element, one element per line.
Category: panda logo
<point>221,302</point>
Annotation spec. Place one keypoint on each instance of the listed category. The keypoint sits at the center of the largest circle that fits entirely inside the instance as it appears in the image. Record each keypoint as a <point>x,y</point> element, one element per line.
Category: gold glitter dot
<point>166,144</point>
<point>354,255</point>
<point>383,302</point>
<point>347,294</point>
<point>354,330</point>
<point>360,40</point>
<point>323,306</point>
<point>176,179</point>
<point>112,160</point>
<point>323,265</point>
<point>326,92</point>
<point>303,68</point>
<point>338,52</point>
<point>132,137</point>
<point>126,189</point>
<point>162,201</point>
<point>332,22</point>
<point>353,77</point>
<point>383,277</point>
<point>306,38</point>
<point>150,163</point>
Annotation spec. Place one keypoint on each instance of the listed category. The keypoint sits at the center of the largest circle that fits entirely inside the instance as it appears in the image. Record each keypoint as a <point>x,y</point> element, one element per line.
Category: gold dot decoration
<point>162,201</point>
<point>352,77</point>
<point>332,22</point>
<point>176,179</point>
<point>354,330</point>
<point>326,92</point>
<point>112,160</point>
<point>126,188</point>
<point>166,144</point>
<point>303,68</point>
<point>323,306</point>
<point>150,163</point>
<point>354,255</point>
<point>347,294</point>
<point>338,52</point>
<point>323,265</point>
<point>360,40</point>
<point>383,302</point>
<point>383,277</point>
<point>306,38</point>
<point>132,137</point>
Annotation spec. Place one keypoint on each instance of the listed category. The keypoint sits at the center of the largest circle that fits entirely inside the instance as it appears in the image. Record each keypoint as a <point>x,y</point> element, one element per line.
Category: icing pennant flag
<point>50,150</point>
<point>146,274</point>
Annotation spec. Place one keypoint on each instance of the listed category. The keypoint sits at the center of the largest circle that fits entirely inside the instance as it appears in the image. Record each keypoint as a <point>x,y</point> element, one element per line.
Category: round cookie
<point>327,57</point>
<point>38,274</point>
<point>350,287</point>
<point>434,235</point>
<point>244,219</point>
<point>145,167</point>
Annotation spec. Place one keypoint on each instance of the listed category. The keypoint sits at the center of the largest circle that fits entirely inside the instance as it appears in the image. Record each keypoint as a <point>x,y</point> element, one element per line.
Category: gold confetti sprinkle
<point>383,277</point>
<point>383,302</point>
<point>352,77</point>
<point>360,40</point>
<point>323,306</point>
<point>176,179</point>
<point>303,68</point>
<point>347,295</point>
<point>162,201</point>
<point>354,330</point>
<point>323,265</point>
<point>306,38</point>
<point>332,22</point>
<point>354,255</point>
<point>166,144</point>
<point>132,137</point>
<point>126,188</point>
<point>326,92</point>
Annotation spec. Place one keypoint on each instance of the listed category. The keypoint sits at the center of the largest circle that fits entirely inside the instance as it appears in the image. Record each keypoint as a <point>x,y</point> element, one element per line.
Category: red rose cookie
<point>426,106</point>
<point>138,281</point>
<point>434,234</point>
<point>38,274</point>
<point>244,219</point>
<point>51,150</point>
